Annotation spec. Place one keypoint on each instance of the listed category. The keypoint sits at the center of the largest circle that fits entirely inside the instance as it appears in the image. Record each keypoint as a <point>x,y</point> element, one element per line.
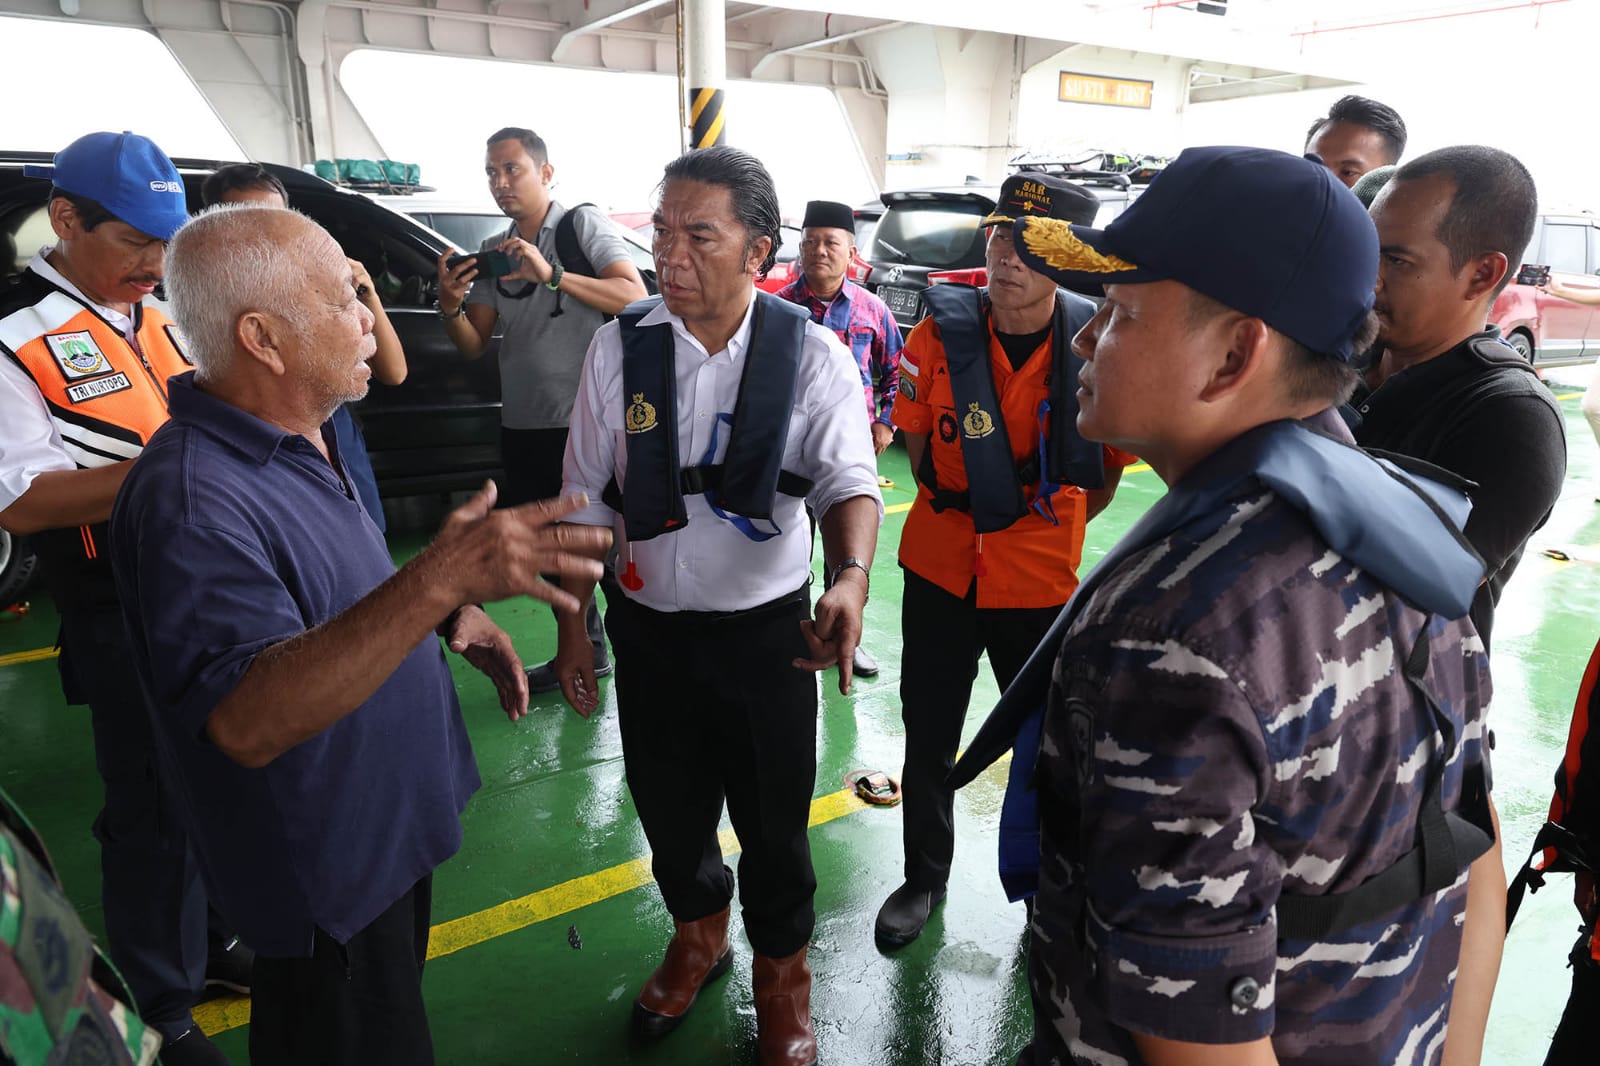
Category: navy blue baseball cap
<point>127,175</point>
<point>1269,234</point>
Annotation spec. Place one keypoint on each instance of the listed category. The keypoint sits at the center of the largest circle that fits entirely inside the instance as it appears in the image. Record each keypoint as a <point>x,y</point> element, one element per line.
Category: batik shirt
<point>1239,689</point>
<point>867,327</point>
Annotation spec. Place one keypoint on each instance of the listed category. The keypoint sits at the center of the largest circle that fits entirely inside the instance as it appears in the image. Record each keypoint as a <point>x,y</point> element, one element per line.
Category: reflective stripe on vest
<point>748,479</point>
<point>995,494</point>
<point>105,395</point>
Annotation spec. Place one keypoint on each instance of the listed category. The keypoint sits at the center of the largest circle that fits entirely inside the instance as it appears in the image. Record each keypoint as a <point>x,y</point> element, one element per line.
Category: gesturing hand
<point>473,636</point>
<point>483,554</point>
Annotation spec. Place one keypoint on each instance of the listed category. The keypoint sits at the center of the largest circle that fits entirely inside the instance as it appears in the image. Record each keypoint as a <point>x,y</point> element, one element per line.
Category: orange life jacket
<point>106,397</point>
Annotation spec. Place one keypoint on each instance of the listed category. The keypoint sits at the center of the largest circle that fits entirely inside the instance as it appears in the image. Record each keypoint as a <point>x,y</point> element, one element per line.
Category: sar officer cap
<point>1273,235</point>
<point>1043,196</point>
<point>127,175</point>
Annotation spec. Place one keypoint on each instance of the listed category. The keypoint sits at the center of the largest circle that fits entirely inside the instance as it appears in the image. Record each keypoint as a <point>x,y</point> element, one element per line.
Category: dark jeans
<point>713,711</point>
<point>943,637</point>
<point>155,904</point>
<point>532,460</point>
<point>352,1004</point>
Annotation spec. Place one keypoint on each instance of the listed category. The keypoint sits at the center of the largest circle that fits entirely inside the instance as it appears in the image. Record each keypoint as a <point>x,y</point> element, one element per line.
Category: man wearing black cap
<point>1006,486</point>
<point>1260,778</point>
<point>83,385</point>
<point>862,321</point>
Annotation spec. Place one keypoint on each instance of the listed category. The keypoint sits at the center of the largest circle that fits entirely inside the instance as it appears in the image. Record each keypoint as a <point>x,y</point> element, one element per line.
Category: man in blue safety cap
<point>84,363</point>
<point>1251,842</point>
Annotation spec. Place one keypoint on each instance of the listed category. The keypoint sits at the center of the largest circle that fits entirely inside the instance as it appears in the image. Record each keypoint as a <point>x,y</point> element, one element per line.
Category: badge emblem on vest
<point>78,355</point>
<point>908,386</point>
<point>977,424</point>
<point>947,428</point>
<point>641,415</point>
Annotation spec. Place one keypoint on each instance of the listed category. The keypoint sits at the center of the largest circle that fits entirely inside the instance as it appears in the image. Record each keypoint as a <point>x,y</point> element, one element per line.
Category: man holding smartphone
<point>547,304</point>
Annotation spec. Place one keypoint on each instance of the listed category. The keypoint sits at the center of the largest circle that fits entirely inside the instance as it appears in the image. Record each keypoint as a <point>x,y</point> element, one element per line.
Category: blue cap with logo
<point>127,175</point>
<point>1273,235</point>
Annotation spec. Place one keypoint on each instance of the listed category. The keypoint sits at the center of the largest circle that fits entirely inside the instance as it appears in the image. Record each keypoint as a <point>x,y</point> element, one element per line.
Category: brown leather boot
<point>698,954</point>
<point>784,1036</point>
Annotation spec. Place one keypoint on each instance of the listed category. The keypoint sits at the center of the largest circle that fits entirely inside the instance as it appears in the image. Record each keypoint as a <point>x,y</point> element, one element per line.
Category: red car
<point>1548,330</point>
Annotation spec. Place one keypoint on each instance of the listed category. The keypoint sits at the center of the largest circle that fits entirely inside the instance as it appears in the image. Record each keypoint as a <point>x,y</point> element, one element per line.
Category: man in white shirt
<point>707,421</point>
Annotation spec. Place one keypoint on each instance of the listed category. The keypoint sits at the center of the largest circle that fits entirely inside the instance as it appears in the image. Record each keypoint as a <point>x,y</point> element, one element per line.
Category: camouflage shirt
<point>1245,728</point>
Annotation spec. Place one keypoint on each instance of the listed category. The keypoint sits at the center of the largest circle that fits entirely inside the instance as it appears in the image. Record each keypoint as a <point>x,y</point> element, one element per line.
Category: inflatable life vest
<point>744,486</point>
<point>1383,515</point>
<point>996,481</point>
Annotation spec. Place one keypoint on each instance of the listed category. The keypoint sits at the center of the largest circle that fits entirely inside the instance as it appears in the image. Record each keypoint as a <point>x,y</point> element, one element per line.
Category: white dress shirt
<point>30,443</point>
<point>709,565</point>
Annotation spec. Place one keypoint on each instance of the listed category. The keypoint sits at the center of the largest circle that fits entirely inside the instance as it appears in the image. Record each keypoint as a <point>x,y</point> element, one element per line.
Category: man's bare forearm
<point>62,499</point>
<point>850,530</point>
<point>609,295</point>
<point>583,590</point>
<point>297,689</point>
<point>1483,940</point>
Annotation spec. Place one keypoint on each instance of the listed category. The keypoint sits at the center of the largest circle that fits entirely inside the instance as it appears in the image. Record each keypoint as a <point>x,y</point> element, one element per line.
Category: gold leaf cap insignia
<point>1057,247</point>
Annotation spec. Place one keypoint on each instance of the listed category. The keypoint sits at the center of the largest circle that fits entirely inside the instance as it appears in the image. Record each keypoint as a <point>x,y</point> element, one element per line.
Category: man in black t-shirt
<point>1441,386</point>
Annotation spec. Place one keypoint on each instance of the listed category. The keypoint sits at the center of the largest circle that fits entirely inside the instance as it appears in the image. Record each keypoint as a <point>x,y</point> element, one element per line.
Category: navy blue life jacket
<point>746,483</point>
<point>995,496</point>
<point>1399,520</point>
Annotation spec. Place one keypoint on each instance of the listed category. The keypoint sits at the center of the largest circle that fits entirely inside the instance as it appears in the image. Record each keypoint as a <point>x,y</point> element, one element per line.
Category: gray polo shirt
<point>541,358</point>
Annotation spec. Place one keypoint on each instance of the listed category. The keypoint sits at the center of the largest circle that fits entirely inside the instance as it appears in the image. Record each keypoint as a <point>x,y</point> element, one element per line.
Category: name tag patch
<point>78,355</point>
<point>92,390</point>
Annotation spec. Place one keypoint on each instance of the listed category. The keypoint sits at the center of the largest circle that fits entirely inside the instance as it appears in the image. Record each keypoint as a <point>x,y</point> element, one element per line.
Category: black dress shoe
<point>543,678</point>
<point>192,1048</point>
<point>229,966</point>
<point>905,912</point>
<point>864,665</point>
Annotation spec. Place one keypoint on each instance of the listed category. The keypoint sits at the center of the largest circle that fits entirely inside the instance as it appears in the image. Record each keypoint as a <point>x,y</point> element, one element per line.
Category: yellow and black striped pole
<point>704,24</point>
<point>706,118</point>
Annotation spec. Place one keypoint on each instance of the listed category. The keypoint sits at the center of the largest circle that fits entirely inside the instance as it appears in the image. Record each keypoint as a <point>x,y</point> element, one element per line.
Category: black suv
<point>439,431</point>
<point>930,235</point>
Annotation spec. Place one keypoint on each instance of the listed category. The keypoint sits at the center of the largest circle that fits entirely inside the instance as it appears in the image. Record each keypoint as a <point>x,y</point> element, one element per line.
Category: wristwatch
<point>833,575</point>
<point>554,283</point>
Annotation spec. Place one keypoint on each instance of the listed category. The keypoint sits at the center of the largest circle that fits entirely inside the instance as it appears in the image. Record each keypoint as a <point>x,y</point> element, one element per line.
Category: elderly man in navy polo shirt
<point>300,698</point>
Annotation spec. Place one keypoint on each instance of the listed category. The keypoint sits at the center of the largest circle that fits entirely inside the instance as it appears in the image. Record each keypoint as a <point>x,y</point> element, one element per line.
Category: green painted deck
<point>554,857</point>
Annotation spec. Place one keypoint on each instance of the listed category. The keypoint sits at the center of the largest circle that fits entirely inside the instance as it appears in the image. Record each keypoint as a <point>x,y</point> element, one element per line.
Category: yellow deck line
<point>33,656</point>
<point>446,938</point>
<point>1568,395</point>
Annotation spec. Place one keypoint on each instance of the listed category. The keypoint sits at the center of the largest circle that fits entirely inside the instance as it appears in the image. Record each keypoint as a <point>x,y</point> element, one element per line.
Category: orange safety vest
<point>106,397</point>
<point>1029,564</point>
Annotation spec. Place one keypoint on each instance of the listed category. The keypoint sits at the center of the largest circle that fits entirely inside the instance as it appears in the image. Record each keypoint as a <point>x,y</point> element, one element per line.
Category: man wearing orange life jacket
<point>83,384</point>
<point>1006,486</point>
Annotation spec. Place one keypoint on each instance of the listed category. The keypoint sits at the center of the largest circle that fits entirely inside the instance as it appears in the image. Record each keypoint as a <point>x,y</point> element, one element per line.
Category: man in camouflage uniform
<point>60,1000</point>
<point>1257,703</point>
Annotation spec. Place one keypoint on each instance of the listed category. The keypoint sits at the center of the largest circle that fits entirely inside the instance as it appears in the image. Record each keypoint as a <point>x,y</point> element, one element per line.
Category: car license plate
<point>901,301</point>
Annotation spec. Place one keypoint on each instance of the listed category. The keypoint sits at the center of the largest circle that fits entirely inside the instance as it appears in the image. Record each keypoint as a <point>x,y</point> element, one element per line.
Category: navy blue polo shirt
<point>229,536</point>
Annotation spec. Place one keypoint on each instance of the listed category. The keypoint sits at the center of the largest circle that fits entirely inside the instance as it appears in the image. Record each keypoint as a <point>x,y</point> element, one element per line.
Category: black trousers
<point>532,460</point>
<point>713,711</point>
<point>353,1004</point>
<point>155,904</point>
<point>943,637</point>
<point>1578,1035</point>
